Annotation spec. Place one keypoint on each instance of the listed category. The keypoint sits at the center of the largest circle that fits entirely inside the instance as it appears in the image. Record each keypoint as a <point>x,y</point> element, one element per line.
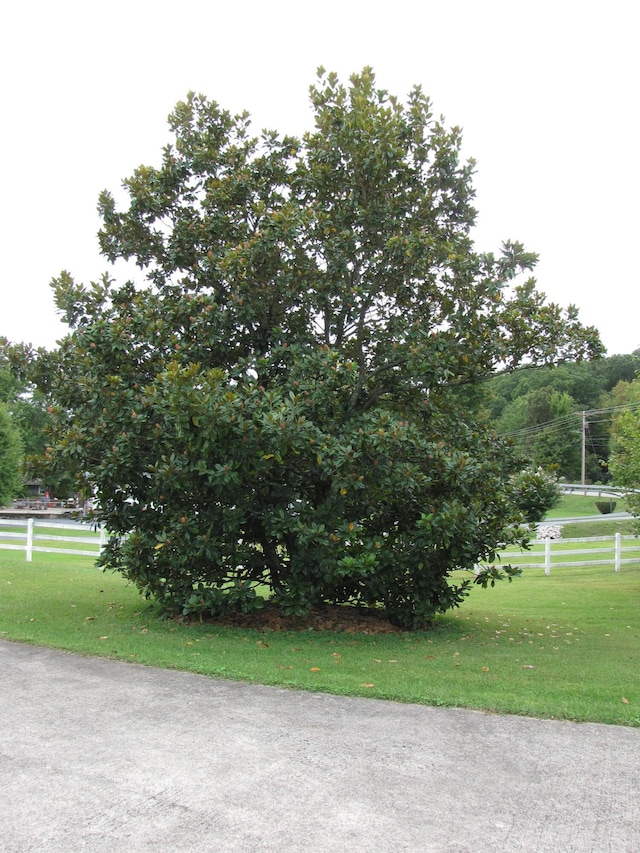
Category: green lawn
<point>563,646</point>
<point>573,506</point>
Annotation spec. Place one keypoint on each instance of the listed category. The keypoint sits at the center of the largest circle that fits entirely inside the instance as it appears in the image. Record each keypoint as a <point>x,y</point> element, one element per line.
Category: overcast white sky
<point>546,92</point>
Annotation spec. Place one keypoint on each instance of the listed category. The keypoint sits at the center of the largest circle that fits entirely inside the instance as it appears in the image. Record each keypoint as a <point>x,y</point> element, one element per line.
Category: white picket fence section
<point>27,541</point>
<point>543,552</point>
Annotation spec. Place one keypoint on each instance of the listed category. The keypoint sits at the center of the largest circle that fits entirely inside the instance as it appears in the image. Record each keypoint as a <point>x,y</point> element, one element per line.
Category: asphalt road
<point>98,755</point>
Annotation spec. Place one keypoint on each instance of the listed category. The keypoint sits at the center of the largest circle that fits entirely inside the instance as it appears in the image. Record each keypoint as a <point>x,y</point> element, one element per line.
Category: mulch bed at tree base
<point>327,617</point>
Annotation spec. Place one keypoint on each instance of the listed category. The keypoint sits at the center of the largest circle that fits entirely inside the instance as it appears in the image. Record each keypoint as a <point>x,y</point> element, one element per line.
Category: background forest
<point>542,409</point>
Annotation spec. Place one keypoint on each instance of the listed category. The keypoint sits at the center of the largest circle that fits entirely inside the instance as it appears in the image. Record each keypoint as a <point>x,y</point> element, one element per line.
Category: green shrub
<point>284,406</point>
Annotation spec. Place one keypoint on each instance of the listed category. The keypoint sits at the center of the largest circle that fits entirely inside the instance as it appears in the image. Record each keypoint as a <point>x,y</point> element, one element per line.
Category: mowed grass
<point>573,506</point>
<point>564,646</point>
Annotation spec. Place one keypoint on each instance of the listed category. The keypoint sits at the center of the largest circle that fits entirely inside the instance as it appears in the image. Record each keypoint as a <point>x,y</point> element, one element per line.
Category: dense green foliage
<point>10,457</point>
<point>625,459</point>
<point>28,415</point>
<point>537,492</point>
<point>280,405</point>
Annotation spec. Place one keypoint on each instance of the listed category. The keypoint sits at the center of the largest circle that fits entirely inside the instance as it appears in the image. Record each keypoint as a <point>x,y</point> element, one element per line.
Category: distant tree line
<point>542,410</point>
<point>23,429</point>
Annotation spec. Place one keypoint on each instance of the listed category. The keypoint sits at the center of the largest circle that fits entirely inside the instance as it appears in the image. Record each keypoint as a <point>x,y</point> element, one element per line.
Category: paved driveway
<point>97,755</point>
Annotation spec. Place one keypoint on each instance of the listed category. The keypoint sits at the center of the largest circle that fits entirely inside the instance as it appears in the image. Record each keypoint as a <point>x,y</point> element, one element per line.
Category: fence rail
<point>544,551</point>
<point>597,491</point>
<point>36,532</point>
<point>548,554</point>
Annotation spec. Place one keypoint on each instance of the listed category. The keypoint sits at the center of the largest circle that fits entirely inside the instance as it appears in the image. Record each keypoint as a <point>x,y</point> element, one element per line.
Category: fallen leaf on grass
<point>485,669</point>
<point>528,666</point>
<point>103,638</point>
<point>315,669</point>
<point>626,701</point>
<point>367,684</point>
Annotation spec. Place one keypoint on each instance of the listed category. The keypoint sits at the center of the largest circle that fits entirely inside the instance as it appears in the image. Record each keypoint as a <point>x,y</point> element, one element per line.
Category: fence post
<point>547,555</point>
<point>29,548</point>
<point>618,551</point>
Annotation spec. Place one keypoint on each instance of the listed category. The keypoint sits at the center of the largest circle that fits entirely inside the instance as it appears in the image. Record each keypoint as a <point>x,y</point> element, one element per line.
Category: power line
<point>551,426</point>
<point>562,423</point>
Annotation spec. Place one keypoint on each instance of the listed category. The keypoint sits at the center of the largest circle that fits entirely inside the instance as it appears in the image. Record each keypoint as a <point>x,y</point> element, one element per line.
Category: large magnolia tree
<point>284,405</point>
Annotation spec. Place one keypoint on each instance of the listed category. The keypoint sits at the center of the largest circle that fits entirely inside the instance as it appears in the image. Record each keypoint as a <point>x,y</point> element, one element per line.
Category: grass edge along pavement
<point>564,646</point>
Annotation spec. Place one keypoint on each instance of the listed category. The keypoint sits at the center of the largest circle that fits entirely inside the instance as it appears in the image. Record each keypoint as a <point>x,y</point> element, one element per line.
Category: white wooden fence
<point>608,550</point>
<point>38,531</point>
<point>542,553</point>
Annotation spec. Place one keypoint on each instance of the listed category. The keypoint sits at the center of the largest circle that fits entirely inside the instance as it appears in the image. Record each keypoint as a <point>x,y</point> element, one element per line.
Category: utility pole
<point>584,452</point>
